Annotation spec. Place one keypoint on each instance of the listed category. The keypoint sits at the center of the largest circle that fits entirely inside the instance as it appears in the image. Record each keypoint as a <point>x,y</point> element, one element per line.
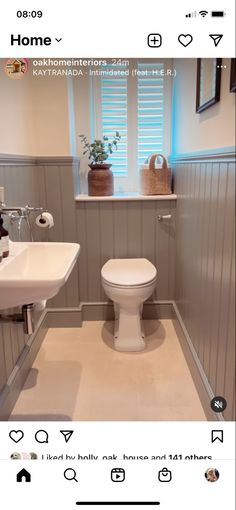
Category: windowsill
<point>124,197</point>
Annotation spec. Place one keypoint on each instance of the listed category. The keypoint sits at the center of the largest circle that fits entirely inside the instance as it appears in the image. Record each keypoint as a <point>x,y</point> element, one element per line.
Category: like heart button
<point>16,435</point>
<point>185,39</point>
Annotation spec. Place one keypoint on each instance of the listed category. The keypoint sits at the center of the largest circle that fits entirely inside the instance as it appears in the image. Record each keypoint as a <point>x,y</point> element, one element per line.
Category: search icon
<point>70,474</point>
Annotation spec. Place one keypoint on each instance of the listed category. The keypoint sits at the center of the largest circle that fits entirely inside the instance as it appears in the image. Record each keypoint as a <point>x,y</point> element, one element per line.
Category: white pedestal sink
<point>35,272</point>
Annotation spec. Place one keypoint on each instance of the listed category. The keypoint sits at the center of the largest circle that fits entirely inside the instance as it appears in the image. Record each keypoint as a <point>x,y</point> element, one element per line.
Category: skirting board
<point>105,311</point>
<point>74,317</point>
<point>64,317</point>
<point>102,311</point>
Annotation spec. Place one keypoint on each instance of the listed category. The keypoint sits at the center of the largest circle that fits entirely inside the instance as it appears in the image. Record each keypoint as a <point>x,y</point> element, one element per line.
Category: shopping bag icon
<point>164,475</point>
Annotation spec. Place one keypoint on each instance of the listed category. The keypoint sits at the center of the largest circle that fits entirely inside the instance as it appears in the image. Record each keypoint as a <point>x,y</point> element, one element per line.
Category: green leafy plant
<point>100,150</point>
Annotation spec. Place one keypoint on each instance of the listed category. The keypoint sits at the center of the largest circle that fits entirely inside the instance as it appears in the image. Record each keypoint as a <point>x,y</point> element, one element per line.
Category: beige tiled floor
<point>77,375</point>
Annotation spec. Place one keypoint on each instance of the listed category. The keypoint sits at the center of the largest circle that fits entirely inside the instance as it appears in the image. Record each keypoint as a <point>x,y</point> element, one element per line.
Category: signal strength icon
<point>191,14</point>
<point>203,13</point>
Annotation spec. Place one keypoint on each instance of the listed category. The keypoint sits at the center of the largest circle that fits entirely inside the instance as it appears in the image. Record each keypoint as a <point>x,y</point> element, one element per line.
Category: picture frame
<point>208,83</point>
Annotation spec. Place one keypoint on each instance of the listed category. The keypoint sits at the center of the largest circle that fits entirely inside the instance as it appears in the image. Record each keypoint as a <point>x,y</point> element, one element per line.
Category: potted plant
<point>100,177</point>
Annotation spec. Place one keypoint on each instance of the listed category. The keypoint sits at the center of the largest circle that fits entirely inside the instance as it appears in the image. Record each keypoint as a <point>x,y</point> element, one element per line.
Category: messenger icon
<point>164,475</point>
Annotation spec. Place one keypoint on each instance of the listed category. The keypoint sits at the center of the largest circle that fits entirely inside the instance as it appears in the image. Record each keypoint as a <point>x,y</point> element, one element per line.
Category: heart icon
<point>16,435</point>
<point>185,39</point>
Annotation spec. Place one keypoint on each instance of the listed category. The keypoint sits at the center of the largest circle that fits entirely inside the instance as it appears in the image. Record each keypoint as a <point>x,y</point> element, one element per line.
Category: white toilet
<point>128,283</point>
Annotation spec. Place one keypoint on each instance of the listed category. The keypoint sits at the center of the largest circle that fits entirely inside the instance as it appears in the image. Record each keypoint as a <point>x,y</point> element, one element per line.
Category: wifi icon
<point>203,13</point>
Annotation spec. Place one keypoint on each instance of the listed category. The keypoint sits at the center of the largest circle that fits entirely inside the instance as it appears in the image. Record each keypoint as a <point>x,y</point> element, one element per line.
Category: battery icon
<point>217,14</point>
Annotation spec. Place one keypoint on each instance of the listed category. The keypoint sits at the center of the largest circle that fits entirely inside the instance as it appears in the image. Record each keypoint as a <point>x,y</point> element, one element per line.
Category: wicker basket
<point>155,181</point>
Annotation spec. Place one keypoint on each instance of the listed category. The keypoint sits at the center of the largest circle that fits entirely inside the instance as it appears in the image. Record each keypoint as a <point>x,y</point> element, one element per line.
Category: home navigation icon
<point>23,475</point>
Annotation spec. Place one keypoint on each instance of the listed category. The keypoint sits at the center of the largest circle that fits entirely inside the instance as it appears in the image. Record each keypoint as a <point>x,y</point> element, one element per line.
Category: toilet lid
<point>128,271</point>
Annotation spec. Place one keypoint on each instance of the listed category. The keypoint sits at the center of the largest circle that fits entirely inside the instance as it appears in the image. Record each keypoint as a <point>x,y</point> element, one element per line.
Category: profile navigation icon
<point>67,434</point>
<point>216,38</point>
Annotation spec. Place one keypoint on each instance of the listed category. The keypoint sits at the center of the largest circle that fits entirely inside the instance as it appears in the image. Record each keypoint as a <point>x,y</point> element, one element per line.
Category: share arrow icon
<point>216,38</point>
<point>67,434</point>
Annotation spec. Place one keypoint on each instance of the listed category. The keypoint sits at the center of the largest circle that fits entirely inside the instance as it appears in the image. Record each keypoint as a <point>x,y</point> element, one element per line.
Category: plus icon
<point>154,40</point>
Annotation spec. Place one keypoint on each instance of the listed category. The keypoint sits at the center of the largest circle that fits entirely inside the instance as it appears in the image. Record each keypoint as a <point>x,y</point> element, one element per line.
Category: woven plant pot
<point>155,181</point>
<point>100,180</point>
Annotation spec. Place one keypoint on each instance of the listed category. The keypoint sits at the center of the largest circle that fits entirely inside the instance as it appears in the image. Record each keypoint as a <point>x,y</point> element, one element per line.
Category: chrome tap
<point>21,211</point>
<point>19,214</point>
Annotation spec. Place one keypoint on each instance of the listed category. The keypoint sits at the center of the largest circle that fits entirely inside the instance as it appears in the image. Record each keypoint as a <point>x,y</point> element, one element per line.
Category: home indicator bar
<point>118,503</point>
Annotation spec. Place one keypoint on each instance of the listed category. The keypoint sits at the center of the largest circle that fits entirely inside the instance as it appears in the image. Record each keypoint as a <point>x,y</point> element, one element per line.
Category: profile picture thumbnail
<point>16,68</point>
<point>212,475</point>
<point>24,456</point>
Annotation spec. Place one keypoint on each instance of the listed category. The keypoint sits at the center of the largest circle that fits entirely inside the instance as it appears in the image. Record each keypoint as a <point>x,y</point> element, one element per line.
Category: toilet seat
<point>117,286</point>
<point>128,273</point>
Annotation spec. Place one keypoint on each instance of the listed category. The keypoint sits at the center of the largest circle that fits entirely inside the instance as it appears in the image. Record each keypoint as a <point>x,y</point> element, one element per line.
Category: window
<point>136,103</point>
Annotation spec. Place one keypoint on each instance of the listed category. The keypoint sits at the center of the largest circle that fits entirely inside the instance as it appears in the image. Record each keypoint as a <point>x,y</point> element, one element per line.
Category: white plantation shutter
<point>114,117</point>
<point>150,110</point>
<point>138,106</point>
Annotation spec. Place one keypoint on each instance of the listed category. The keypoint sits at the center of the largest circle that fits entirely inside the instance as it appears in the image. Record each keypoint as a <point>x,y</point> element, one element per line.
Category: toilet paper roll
<point>45,220</point>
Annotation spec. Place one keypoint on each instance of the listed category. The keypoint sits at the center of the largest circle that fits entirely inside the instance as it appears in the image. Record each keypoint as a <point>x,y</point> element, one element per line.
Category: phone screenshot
<point>117,255</point>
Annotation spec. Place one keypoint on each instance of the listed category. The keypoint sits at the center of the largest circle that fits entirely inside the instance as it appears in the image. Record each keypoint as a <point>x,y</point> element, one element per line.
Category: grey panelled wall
<point>205,277</point>
<point>48,183</point>
<point>122,230</point>
<point>12,342</point>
